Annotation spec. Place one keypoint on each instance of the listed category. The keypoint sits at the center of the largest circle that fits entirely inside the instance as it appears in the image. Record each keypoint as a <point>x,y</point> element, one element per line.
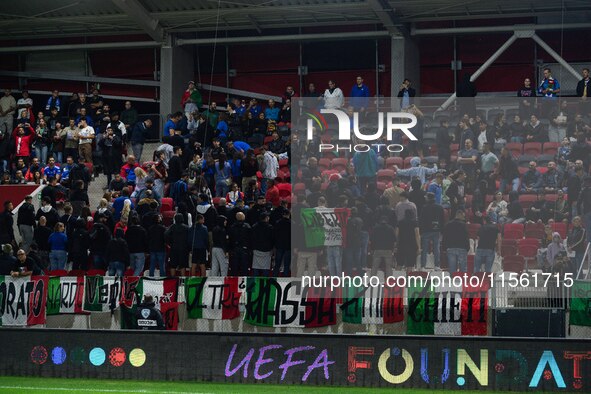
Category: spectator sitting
<point>277,146</point>
<point>117,184</point>
<point>552,179</point>
<point>554,249</point>
<point>497,209</point>
<point>538,212</point>
<point>128,170</point>
<point>535,131</point>
<point>532,179</point>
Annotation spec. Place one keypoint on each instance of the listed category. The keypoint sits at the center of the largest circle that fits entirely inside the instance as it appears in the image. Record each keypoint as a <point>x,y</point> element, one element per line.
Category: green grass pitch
<point>62,386</point>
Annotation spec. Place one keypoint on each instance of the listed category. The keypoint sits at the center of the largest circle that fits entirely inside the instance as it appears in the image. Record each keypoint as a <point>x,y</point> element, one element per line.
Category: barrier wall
<point>339,360</point>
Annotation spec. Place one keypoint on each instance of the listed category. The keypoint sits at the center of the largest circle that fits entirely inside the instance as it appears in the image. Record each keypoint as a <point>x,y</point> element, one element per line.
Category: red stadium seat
<point>527,200</point>
<point>513,228</point>
<point>532,148</point>
<point>513,263</point>
<point>339,164</point>
<point>283,163</point>
<point>268,139</point>
<point>128,272</point>
<point>407,161</point>
<point>391,161</point>
<point>508,250</point>
<point>551,148</point>
<point>166,204</point>
<point>528,248</point>
<point>386,175</point>
<point>560,228</point>
<point>216,201</point>
<point>323,164</point>
<point>534,230</point>
<point>515,148</point>
<point>90,168</point>
<point>454,149</point>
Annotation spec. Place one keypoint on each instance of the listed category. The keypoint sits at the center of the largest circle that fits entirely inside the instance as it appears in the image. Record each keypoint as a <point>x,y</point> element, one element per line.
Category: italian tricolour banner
<point>373,305</point>
<point>102,293</point>
<point>22,300</point>
<point>282,302</point>
<point>324,226</point>
<point>162,290</point>
<point>215,298</point>
<point>452,308</point>
<point>580,304</point>
<point>65,295</point>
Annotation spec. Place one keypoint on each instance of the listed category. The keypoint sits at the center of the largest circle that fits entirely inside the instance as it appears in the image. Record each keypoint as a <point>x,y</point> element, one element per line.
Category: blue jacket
<point>198,237</point>
<point>437,190</point>
<point>58,241</point>
<point>138,133</point>
<point>366,164</point>
<point>359,96</point>
<point>272,113</point>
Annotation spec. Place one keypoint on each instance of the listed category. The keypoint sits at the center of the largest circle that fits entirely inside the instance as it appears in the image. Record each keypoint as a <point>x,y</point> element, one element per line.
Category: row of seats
<point>519,231</point>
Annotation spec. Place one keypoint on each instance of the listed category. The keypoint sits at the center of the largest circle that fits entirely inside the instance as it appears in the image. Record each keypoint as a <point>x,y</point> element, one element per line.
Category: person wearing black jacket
<point>456,241</point>
<point>253,215</point>
<point>99,237</point>
<point>383,241</point>
<point>80,172</point>
<point>48,211</point>
<point>177,236</point>
<point>455,191</point>
<point>137,241</point>
<point>26,222</point>
<point>6,223</point>
<point>41,239</point>
<point>240,244</point>
<point>262,246</point>
<point>148,317</point>
<point>117,254</point>
<point>175,165</point>
<point>219,251</point>
<point>282,241</point>
<point>157,246</point>
<point>507,171</point>
<point>111,143</point>
<point>79,246</point>
<point>431,223</point>
<point>151,217</point>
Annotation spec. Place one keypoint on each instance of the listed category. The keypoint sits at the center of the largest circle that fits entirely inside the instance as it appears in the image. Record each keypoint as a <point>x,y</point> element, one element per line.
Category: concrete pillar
<point>404,63</point>
<point>177,68</point>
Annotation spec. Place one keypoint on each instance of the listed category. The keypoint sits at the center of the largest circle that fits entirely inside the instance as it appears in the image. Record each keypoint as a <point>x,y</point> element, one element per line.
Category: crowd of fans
<point>216,193</point>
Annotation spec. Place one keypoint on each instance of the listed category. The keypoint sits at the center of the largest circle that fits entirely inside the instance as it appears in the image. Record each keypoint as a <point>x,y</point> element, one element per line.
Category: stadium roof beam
<point>283,38</point>
<point>498,29</point>
<point>101,45</point>
<point>138,14</point>
<point>386,15</point>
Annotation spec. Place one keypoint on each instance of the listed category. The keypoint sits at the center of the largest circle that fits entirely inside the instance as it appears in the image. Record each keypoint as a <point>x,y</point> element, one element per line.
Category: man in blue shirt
<point>254,108</point>
<point>171,124</point>
<point>272,112</point>
<point>51,171</point>
<point>359,95</point>
<point>238,146</point>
